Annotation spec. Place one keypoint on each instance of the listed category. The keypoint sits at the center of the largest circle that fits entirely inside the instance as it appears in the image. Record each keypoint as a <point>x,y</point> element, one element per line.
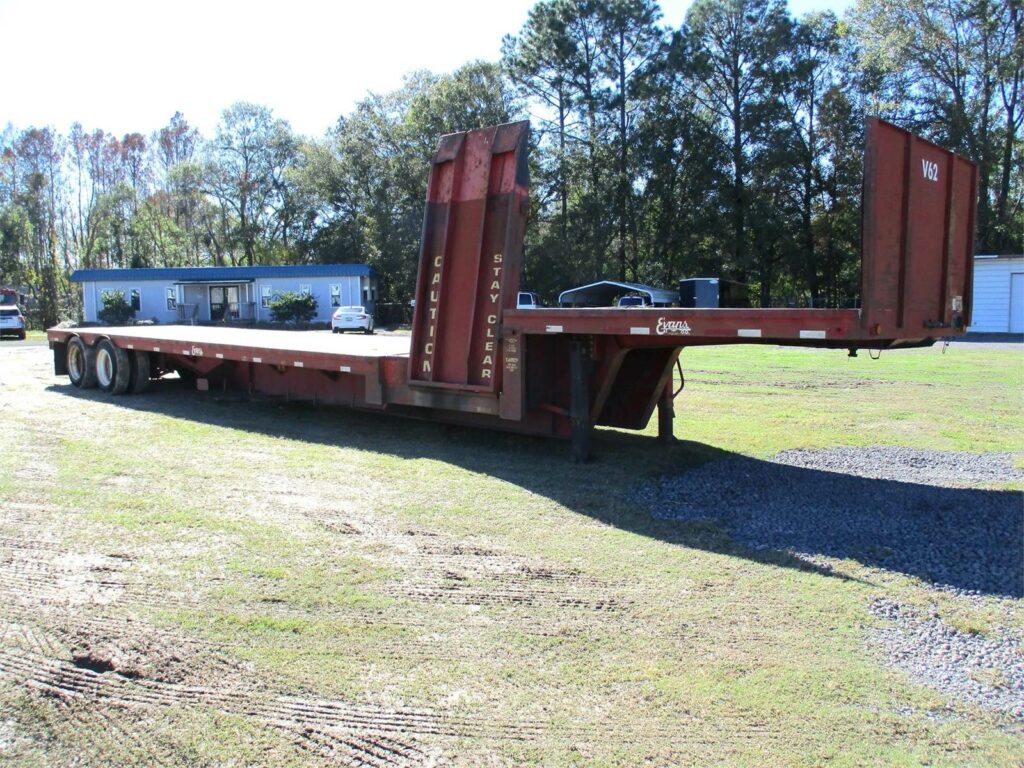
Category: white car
<point>351,319</point>
<point>12,321</point>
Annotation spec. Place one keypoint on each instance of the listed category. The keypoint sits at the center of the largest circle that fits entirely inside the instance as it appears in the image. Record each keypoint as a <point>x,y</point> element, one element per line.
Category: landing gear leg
<point>666,414</point>
<point>579,399</point>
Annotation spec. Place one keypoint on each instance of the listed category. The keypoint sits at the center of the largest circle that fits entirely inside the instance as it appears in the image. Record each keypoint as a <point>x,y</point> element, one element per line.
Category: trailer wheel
<point>81,363</point>
<point>113,369</point>
<point>140,372</point>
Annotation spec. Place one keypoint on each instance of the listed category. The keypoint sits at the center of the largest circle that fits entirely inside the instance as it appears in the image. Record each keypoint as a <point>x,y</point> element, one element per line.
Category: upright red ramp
<point>470,258</point>
<point>918,239</point>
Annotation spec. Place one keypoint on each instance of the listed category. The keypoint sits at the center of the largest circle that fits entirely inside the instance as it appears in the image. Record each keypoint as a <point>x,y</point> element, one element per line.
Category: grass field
<point>202,580</point>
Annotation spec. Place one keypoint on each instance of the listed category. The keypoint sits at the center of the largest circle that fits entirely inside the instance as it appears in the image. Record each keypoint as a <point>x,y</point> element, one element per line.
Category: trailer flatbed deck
<point>243,344</point>
<point>474,358</point>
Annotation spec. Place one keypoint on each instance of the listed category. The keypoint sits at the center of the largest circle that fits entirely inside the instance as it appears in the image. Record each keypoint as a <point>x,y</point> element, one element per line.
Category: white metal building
<point>211,294</point>
<point>998,301</point>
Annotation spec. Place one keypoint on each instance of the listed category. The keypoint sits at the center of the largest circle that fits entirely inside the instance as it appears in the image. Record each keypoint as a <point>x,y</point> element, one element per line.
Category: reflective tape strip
<point>812,334</point>
<point>156,349</point>
<point>345,369</point>
<point>640,331</point>
<point>554,329</point>
<point>219,355</point>
<point>749,333</point>
<point>257,359</point>
<point>130,346</point>
<point>298,364</point>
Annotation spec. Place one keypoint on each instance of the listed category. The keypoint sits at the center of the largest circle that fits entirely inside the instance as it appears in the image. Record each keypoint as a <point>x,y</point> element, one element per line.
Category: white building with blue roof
<point>215,294</point>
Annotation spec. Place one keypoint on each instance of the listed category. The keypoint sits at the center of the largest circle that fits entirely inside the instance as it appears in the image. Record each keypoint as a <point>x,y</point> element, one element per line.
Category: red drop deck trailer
<point>473,358</point>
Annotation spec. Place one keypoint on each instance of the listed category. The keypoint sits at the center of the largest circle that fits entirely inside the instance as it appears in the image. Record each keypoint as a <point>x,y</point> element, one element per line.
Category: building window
<point>136,299</point>
<point>172,299</point>
<point>266,294</point>
<point>335,295</point>
<point>305,289</point>
<point>108,295</point>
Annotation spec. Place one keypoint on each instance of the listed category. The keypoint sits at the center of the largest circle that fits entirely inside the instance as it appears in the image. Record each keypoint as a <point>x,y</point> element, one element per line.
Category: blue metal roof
<point>171,274</point>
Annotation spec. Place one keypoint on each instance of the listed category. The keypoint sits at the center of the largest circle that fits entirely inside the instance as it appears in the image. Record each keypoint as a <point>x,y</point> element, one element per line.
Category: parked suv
<point>12,322</point>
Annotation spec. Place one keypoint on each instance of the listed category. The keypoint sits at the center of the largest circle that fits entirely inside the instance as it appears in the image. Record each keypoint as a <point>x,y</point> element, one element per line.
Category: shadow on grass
<point>941,535</point>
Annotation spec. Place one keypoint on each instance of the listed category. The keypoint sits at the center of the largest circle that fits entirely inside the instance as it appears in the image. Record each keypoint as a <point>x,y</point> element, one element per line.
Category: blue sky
<point>127,65</point>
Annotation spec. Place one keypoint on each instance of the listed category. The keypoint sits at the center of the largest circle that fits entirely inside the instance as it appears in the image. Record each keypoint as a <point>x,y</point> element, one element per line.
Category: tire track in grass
<point>31,545</point>
<point>435,565</point>
<point>441,569</point>
<point>385,730</point>
<point>358,751</point>
<point>352,737</point>
<point>26,636</point>
<point>507,597</point>
<point>52,574</point>
<point>77,680</point>
<point>48,575</point>
<point>359,734</point>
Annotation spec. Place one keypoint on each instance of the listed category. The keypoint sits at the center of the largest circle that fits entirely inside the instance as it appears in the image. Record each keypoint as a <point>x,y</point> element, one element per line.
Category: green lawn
<point>760,400</point>
<point>483,580</point>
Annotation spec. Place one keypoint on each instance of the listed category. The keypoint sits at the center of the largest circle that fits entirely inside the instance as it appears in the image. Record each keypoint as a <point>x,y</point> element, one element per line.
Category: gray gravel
<point>893,508</point>
<point>896,509</point>
<point>987,671</point>
<point>946,469</point>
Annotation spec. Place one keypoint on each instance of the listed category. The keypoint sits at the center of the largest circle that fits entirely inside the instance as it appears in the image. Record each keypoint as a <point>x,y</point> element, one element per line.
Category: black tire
<point>368,330</point>
<point>140,372</point>
<point>113,369</point>
<point>81,363</point>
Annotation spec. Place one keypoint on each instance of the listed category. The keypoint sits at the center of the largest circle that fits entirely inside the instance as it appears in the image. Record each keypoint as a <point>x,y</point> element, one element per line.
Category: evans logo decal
<point>672,326</point>
<point>930,170</point>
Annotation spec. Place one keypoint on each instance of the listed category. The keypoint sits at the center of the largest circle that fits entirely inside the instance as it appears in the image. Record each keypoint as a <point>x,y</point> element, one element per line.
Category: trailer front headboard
<point>918,234</point>
<point>470,258</point>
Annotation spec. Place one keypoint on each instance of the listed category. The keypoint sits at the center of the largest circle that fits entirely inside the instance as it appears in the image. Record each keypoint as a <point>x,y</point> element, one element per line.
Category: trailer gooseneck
<point>474,358</point>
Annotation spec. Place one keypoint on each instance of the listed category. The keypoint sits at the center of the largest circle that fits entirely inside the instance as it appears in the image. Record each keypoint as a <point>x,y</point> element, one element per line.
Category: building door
<point>1017,302</point>
<point>223,302</point>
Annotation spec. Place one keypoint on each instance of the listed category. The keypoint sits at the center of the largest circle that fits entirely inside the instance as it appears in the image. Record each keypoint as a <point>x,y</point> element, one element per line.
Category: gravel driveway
<point>896,509</point>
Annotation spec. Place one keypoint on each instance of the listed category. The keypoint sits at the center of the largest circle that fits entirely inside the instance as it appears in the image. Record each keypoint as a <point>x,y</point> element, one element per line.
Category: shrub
<point>116,309</point>
<point>293,307</point>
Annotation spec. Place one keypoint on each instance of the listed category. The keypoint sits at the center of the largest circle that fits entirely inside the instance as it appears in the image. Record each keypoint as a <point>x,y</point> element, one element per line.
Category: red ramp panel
<point>918,239</point>
<point>470,258</point>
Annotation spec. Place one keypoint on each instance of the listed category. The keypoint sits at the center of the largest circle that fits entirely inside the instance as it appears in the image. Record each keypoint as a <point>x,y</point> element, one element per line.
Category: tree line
<point>729,147</point>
